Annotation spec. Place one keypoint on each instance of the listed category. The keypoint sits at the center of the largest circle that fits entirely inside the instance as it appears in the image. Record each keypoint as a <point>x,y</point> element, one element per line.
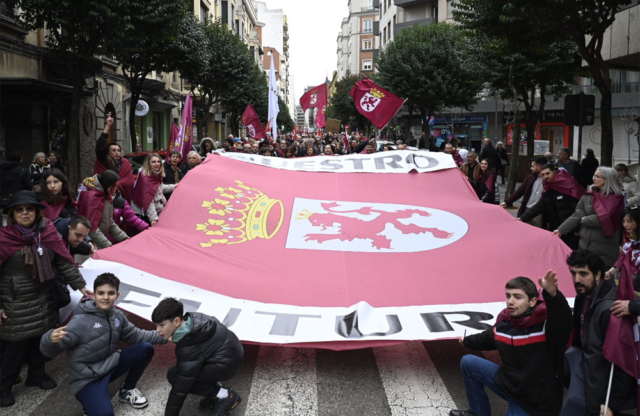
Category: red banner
<point>375,103</point>
<point>252,122</point>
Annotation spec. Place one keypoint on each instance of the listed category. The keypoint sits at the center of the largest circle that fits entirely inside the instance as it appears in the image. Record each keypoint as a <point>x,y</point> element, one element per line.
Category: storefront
<point>469,129</point>
<point>551,133</point>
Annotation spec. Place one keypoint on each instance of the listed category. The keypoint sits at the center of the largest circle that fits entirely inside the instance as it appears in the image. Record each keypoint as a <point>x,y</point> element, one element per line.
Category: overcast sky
<point>313,29</point>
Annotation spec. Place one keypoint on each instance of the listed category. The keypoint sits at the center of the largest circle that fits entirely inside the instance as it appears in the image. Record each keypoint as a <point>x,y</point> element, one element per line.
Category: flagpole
<point>399,108</point>
<point>606,403</point>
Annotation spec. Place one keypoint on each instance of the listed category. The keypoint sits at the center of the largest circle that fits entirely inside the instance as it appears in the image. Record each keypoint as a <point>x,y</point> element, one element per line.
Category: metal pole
<point>580,116</point>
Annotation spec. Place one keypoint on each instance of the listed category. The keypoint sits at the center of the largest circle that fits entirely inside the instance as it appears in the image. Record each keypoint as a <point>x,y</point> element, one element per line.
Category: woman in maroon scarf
<point>486,183</point>
<point>599,213</point>
<point>31,254</point>
<point>58,198</point>
<point>148,198</point>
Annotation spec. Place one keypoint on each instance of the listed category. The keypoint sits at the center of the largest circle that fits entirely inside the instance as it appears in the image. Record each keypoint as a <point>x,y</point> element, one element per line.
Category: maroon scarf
<point>91,205</point>
<point>538,315</point>
<point>126,176</point>
<point>564,183</point>
<point>609,210</point>
<point>13,240</point>
<point>53,211</point>
<point>145,189</point>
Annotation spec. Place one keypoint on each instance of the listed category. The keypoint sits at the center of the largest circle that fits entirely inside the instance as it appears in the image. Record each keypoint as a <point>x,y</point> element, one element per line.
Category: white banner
<point>397,161</point>
<point>270,323</point>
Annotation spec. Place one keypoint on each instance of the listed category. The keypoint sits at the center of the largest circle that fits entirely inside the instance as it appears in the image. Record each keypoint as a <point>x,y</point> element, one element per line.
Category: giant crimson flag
<point>372,250</point>
<point>621,344</point>
<point>315,97</point>
<point>252,122</point>
<point>375,103</point>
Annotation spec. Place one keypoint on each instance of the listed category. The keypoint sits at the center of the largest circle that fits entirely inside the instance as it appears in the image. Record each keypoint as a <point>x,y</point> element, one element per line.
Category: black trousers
<point>14,354</point>
<point>200,388</point>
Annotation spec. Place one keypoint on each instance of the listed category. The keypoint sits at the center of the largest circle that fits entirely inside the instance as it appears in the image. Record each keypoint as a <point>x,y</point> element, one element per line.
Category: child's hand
<point>58,334</point>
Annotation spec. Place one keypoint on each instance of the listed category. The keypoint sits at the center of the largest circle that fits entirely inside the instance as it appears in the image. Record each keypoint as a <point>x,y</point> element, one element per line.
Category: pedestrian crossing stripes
<point>416,378</point>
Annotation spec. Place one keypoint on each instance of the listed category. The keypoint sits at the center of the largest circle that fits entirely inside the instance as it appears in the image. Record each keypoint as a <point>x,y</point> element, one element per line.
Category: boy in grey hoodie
<point>90,340</point>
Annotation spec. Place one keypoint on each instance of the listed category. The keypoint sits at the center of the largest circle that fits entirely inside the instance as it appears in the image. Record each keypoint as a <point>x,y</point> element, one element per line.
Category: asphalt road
<point>416,378</point>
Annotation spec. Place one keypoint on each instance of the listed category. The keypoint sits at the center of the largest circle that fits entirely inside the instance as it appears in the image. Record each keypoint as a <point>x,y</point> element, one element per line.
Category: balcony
<point>376,28</point>
<point>399,27</point>
<point>411,3</point>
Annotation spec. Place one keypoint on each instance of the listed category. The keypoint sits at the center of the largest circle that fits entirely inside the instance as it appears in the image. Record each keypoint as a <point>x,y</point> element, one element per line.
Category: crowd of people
<point>593,209</point>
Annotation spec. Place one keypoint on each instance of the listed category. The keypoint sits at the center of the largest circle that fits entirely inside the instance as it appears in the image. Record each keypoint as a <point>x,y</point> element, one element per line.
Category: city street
<point>417,378</point>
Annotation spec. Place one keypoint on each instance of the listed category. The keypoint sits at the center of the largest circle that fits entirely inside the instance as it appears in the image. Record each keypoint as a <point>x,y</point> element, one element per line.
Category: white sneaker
<point>134,397</point>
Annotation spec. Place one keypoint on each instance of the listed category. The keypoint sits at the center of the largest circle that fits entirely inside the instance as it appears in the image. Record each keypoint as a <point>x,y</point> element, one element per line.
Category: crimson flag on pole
<point>315,97</point>
<point>375,103</point>
<point>622,343</point>
<point>175,130</point>
<point>251,121</point>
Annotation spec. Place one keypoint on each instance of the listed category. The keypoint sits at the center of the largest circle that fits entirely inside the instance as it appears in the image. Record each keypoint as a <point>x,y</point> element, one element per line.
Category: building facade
<point>274,37</point>
<point>356,42</point>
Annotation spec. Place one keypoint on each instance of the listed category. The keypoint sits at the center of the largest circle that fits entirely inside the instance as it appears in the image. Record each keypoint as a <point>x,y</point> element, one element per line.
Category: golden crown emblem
<point>376,93</point>
<point>240,213</point>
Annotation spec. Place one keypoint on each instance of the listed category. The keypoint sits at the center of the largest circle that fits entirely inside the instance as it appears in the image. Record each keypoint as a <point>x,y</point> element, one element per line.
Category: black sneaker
<point>208,402</point>
<point>222,406</point>
<point>45,382</point>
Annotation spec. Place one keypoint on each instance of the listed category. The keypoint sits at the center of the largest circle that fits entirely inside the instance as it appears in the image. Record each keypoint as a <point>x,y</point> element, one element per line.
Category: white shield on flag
<point>369,103</point>
<point>371,227</point>
<point>252,130</point>
<point>314,99</point>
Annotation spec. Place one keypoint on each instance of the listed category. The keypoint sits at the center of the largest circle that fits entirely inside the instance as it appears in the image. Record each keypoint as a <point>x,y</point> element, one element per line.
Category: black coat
<point>531,373</point>
<point>169,177</point>
<point>13,178</point>
<point>595,367</point>
<point>491,154</point>
<point>556,207</point>
<point>208,354</point>
<point>589,167</point>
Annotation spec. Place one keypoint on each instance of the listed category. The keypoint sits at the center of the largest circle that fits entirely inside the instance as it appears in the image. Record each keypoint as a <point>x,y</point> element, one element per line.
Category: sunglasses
<point>20,210</point>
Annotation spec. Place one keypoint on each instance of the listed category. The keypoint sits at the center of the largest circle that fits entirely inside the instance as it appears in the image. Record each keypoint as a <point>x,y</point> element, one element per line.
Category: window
<point>367,64</point>
<point>225,11</point>
<point>450,8</point>
<point>367,25</point>
<point>367,44</point>
<point>384,35</point>
<point>204,13</point>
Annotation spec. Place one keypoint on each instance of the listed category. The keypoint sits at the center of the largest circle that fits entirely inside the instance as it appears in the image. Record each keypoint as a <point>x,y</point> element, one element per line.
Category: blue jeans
<point>479,373</point>
<point>95,396</point>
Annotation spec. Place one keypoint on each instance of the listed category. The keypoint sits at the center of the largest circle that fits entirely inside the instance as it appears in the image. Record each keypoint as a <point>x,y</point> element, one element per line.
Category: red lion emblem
<point>352,228</point>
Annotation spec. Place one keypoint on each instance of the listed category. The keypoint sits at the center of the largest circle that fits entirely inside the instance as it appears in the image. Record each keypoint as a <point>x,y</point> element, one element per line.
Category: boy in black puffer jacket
<point>530,335</point>
<point>206,354</point>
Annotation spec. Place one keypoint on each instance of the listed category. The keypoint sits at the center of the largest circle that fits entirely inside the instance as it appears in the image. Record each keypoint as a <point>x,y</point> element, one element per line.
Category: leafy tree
<point>251,88</point>
<point>342,107</point>
<point>219,74</point>
<point>433,67</point>
<point>284,118</point>
<point>586,23</point>
<point>158,39</point>
<point>78,31</point>
<point>520,61</point>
